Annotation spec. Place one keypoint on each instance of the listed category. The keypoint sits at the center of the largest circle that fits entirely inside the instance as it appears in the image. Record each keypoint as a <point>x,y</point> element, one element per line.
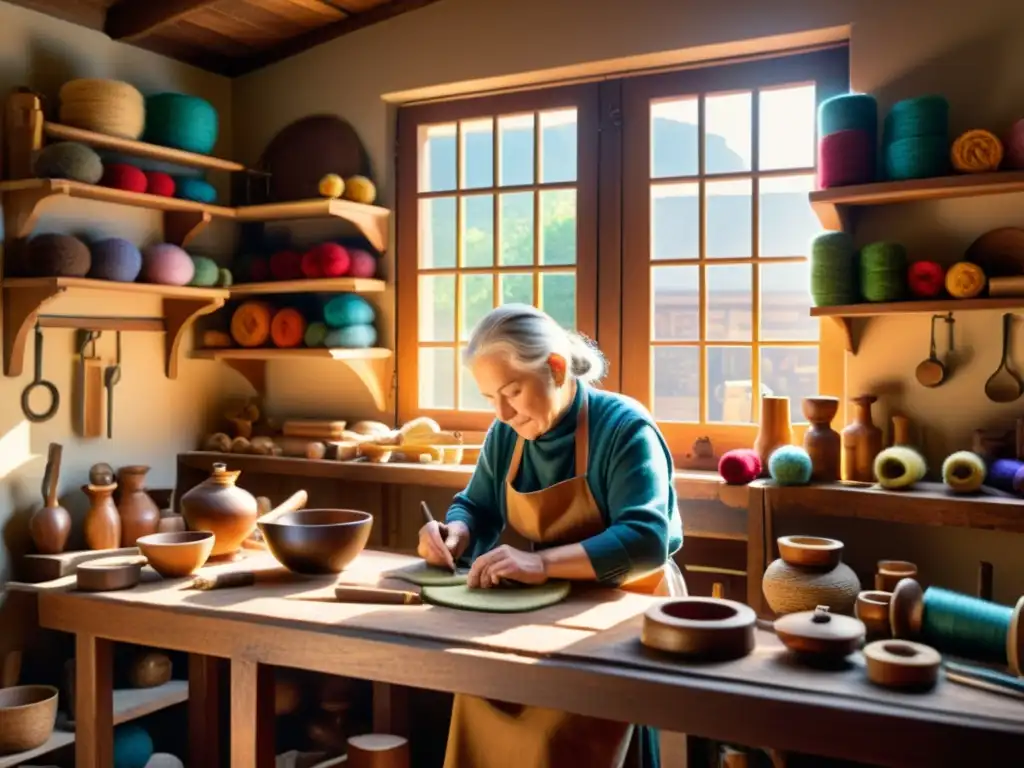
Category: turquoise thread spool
<point>915,139</point>
<point>848,111</point>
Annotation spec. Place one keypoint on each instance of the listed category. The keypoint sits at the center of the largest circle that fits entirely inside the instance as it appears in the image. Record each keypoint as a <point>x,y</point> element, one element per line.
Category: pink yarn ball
<point>166,264</point>
<point>362,263</point>
<point>1013,147</point>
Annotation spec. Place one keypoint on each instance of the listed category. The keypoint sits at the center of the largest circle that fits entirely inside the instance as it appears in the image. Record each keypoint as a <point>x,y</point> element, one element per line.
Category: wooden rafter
<point>131,19</point>
<point>89,15</point>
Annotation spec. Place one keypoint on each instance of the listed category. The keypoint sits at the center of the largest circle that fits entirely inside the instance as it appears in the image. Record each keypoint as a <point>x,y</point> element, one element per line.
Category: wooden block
<point>39,568</point>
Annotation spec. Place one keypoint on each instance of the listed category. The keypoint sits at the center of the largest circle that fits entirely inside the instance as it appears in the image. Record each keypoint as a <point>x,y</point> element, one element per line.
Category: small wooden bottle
<point>901,430</point>
<point>821,441</point>
<point>862,442</point>
<point>775,429</point>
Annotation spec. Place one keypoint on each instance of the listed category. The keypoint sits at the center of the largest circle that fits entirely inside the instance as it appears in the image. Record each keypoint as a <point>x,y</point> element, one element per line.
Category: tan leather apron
<point>491,734</point>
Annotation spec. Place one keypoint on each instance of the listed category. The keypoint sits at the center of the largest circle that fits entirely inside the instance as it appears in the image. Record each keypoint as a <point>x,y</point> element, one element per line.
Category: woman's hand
<point>505,562</point>
<point>442,545</point>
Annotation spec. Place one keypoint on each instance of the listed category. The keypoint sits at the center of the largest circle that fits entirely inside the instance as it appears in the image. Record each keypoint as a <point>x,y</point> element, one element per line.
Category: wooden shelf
<point>129,704</point>
<point>835,207</point>
<point>373,366</point>
<point>320,285</point>
<point>23,298</point>
<point>371,220</point>
<point>139,148</point>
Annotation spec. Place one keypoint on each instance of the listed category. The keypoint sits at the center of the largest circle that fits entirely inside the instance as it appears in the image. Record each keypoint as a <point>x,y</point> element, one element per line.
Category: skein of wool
<point>739,466</point>
<point>963,472</point>
<point>848,136</point>
<point>883,271</point>
<point>915,138</point>
<point>976,151</point>
<point>833,270</point>
<point>899,467</point>
<point>1001,473</point>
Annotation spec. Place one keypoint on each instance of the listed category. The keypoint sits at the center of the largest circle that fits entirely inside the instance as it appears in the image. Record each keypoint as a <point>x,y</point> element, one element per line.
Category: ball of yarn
<point>250,323</point>
<point>160,183</point>
<point>360,336</point>
<point>920,116</point>
<point>315,334</point>
<point>790,465</point>
<point>833,270</point>
<point>110,107</point>
<point>52,255</point>
<point>1013,147</point>
<point>166,264</point>
<point>846,157</point>
<point>69,160</point>
<point>917,157</point>
<point>361,263</point>
<point>133,746</point>
<point>326,260</point>
<point>207,272</point>
<point>739,466</point>
<point>198,190</point>
<point>1001,473</point>
<point>883,271</point>
<point>963,472</point>
<point>348,309</point>
<point>976,151</point>
<point>286,265</point>
<point>115,258</point>
<point>331,185</point>
<point>124,176</point>
<point>360,189</point>
<point>288,328</point>
<point>846,112</point>
<point>182,121</point>
<point>224,278</point>
<point>965,280</point>
<point>925,279</point>
<point>899,467</point>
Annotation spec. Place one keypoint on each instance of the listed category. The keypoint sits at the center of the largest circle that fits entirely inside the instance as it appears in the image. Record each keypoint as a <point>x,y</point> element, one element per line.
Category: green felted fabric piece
<point>424,575</point>
<point>510,599</point>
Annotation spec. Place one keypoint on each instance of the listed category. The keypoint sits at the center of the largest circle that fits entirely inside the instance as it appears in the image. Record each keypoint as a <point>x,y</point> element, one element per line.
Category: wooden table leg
<point>203,711</point>
<point>94,702</point>
<point>391,709</point>
<point>252,715</point>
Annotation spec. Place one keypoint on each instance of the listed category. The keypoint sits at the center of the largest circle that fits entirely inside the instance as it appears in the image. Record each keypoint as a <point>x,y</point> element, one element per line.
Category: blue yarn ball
<point>181,121</point>
<point>199,190</point>
<point>919,116</point>
<point>846,112</point>
<point>348,309</point>
<point>790,465</point>
<point>115,259</point>
<point>352,337</point>
<point>132,746</point>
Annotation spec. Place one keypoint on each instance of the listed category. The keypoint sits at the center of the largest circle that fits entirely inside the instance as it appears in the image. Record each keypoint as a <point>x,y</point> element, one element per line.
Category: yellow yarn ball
<point>963,472</point>
<point>977,151</point>
<point>965,280</point>
<point>360,189</point>
<point>899,467</point>
<point>332,185</point>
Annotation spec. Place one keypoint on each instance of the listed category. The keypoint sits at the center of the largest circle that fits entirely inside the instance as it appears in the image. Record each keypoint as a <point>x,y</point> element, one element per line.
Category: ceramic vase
<point>219,506</point>
<point>102,521</point>
<point>140,516</point>
<point>774,429</point>
<point>862,442</point>
<point>821,441</point>
<point>810,572</point>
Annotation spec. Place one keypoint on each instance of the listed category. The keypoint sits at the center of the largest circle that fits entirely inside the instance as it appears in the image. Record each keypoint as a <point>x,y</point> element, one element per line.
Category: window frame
<point>585,98</point>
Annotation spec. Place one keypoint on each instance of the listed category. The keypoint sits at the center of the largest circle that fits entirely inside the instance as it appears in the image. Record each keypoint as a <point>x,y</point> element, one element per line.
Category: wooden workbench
<point>582,656</point>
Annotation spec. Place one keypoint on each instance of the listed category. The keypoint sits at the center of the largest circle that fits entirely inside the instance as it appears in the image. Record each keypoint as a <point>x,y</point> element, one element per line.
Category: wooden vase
<point>901,430</point>
<point>140,516</point>
<point>221,507</point>
<point>102,521</point>
<point>821,441</point>
<point>862,442</point>
<point>50,525</point>
<point>810,572</point>
<point>774,429</point>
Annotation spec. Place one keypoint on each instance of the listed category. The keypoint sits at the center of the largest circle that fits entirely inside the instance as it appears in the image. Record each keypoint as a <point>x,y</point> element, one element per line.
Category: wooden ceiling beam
<point>84,14</point>
<point>129,20</point>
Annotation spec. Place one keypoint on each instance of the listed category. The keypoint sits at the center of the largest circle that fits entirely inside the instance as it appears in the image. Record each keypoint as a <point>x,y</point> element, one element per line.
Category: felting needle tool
<point>442,529</point>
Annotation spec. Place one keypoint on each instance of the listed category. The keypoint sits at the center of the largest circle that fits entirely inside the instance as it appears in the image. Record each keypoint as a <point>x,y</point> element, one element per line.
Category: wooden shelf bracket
<point>21,308</point>
<point>377,376</point>
<point>179,315</point>
<point>254,371</point>
<point>182,227</point>
<point>22,209</point>
<point>850,334</point>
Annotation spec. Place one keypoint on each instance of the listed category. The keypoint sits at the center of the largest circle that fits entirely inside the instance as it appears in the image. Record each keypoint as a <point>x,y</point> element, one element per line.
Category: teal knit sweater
<point>629,472</point>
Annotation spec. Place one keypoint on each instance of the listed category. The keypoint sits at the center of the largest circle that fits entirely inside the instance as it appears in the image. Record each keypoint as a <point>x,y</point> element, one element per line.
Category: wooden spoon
<point>1004,386</point>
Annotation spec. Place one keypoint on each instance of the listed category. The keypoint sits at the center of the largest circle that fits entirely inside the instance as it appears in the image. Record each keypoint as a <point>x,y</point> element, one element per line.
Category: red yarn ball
<point>926,279</point>
<point>332,259</point>
<point>364,264</point>
<point>844,158</point>
<point>160,183</point>
<point>286,265</point>
<point>124,176</point>
<point>311,266</point>
<point>739,466</point>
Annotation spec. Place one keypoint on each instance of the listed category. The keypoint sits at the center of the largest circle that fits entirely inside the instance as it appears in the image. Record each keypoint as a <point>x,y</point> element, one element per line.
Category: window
<point>681,197</point>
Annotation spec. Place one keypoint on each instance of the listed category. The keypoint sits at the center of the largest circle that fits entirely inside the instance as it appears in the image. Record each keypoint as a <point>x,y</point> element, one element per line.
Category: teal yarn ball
<point>133,746</point>
<point>833,270</point>
<point>846,112</point>
<point>181,121</point>
<point>917,157</point>
<point>198,190</point>
<point>348,309</point>
<point>790,465</point>
<point>352,337</point>
<point>883,271</point>
<point>920,116</point>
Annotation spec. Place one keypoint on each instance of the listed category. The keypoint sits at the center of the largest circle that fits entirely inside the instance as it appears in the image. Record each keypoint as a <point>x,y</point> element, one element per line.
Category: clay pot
<point>102,521</point>
<point>873,610</point>
<point>821,441</point>
<point>809,573</point>
<point>221,507</point>
<point>140,516</point>
<point>862,442</point>
<point>774,429</point>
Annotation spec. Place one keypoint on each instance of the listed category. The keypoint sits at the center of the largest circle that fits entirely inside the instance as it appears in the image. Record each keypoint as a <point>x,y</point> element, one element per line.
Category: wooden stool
<point>378,750</point>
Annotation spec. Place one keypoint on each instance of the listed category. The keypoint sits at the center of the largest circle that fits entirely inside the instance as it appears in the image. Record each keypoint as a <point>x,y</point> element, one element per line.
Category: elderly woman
<point>584,476</point>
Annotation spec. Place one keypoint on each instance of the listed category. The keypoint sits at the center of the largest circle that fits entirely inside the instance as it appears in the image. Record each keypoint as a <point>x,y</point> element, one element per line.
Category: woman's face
<point>530,402</point>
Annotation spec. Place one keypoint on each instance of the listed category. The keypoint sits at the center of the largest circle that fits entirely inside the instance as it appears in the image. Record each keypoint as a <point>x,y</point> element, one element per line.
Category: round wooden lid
<point>820,632</point>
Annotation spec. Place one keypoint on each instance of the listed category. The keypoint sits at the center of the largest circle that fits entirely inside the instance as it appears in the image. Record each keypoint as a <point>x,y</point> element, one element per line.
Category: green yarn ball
<point>207,272</point>
<point>182,121</point>
<point>848,112</point>
<point>790,465</point>
<point>883,271</point>
<point>315,334</point>
<point>919,116</point>
<point>833,268</point>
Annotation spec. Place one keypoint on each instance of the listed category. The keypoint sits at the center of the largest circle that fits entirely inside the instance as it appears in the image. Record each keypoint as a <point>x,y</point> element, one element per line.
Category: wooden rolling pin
<point>293,503</point>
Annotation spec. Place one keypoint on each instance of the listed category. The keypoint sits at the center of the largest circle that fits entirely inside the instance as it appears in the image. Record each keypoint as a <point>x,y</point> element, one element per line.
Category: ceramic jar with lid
<point>809,573</point>
<point>219,506</point>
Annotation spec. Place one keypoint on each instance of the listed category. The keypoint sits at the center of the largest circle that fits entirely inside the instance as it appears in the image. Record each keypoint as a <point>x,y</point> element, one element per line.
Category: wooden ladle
<point>931,372</point>
<point>293,503</point>
<point>1004,386</point>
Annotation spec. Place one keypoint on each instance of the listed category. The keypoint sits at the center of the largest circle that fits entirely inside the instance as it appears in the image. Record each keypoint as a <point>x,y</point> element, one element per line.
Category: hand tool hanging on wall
<point>112,375</point>
<point>89,387</point>
<point>39,382</point>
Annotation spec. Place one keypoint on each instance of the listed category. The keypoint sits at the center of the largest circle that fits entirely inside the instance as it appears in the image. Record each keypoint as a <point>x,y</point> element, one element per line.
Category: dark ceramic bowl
<point>316,541</point>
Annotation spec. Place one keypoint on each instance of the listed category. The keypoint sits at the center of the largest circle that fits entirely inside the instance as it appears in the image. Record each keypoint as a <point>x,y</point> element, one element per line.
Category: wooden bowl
<point>28,714</point>
<point>176,554</point>
<point>810,551</point>
<point>317,541</point>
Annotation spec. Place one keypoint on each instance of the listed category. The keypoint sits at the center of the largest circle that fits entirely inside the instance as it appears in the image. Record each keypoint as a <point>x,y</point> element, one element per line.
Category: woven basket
<point>110,107</point>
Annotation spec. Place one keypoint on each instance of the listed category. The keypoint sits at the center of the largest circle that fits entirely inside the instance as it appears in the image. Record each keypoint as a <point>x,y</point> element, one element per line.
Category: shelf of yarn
<point>316,285</point>
<point>372,221</point>
<point>834,207</point>
<point>25,200</point>
<point>129,704</point>
<point>24,297</point>
<point>372,365</point>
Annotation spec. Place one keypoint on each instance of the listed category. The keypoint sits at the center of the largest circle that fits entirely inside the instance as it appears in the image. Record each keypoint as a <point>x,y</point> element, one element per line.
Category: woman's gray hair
<point>529,337</point>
